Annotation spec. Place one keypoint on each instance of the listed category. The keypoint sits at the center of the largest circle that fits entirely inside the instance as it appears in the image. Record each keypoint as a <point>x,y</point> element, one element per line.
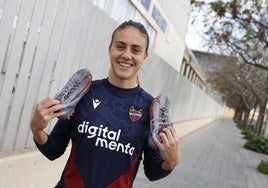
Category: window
<point>146,4</point>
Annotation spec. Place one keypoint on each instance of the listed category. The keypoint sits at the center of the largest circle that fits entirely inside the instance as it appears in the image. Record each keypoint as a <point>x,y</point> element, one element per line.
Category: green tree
<point>240,86</point>
<point>239,29</point>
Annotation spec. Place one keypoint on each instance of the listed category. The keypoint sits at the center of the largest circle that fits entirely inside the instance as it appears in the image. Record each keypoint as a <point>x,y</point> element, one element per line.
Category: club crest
<point>134,114</point>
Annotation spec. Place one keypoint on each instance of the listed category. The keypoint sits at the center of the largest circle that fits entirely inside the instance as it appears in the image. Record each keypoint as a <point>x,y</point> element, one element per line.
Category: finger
<point>44,100</point>
<point>56,108</point>
<point>50,102</point>
<point>164,138</point>
<point>58,114</point>
<point>72,113</point>
<point>156,141</point>
<point>174,134</point>
<point>168,134</point>
<point>169,138</point>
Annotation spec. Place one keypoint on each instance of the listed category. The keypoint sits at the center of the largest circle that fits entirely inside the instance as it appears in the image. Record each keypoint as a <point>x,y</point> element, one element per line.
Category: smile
<point>126,65</point>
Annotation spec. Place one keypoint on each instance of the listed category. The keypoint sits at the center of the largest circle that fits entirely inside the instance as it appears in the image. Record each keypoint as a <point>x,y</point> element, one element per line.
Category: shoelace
<point>74,90</point>
<point>72,87</point>
<point>161,119</point>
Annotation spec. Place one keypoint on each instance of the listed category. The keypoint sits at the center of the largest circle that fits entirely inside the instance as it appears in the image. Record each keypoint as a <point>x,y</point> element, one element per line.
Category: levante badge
<point>134,114</point>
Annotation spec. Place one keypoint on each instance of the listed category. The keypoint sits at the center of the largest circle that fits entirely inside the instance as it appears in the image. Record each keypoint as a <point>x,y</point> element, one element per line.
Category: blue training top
<point>109,133</point>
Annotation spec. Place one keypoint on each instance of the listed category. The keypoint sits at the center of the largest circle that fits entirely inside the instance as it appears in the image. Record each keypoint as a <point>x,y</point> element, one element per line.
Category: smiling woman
<point>128,50</point>
<point>111,123</point>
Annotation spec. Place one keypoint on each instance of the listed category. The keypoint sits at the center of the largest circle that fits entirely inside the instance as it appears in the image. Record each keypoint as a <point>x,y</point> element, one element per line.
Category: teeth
<point>125,65</point>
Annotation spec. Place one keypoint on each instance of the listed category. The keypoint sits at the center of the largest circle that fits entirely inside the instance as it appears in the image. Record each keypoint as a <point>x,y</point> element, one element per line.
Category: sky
<point>193,40</point>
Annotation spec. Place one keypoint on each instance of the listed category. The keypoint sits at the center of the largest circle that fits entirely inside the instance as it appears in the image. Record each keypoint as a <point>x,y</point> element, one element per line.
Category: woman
<point>107,140</point>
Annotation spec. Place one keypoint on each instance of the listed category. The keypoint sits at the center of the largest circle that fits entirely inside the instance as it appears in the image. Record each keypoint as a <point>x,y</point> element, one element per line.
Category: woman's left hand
<point>169,148</point>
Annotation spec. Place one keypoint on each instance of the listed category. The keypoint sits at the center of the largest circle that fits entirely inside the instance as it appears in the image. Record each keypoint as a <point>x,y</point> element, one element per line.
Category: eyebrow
<point>134,45</point>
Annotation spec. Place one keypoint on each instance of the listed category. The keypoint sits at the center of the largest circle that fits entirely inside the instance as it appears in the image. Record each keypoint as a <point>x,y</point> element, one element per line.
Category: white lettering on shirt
<point>105,138</point>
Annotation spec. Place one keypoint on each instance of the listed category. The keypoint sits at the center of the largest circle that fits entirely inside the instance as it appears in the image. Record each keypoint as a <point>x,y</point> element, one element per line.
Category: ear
<point>145,56</point>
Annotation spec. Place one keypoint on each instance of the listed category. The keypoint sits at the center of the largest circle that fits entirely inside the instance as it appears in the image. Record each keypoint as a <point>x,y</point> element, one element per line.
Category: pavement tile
<point>212,157</point>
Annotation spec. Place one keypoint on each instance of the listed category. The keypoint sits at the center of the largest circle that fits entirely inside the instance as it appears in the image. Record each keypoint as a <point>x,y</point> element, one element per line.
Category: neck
<point>121,83</point>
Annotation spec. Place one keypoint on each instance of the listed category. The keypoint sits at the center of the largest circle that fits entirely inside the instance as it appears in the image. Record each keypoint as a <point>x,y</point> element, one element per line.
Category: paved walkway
<point>213,157</point>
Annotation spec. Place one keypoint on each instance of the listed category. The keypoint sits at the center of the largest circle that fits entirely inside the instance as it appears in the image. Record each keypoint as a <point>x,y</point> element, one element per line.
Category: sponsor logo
<point>96,103</point>
<point>105,138</point>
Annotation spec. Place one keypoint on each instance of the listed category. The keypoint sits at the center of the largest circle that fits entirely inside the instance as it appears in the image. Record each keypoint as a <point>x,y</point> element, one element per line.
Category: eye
<point>120,46</point>
<point>136,50</point>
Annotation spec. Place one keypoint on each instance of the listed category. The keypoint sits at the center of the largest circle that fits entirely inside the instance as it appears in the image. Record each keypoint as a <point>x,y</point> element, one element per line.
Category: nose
<point>126,55</point>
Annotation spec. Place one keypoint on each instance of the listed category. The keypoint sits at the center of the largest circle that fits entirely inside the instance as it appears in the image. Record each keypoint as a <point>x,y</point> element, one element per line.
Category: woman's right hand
<point>45,111</point>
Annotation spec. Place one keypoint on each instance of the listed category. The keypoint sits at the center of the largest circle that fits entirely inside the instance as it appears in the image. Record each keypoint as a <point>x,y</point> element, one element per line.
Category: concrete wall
<point>30,170</point>
<point>189,102</point>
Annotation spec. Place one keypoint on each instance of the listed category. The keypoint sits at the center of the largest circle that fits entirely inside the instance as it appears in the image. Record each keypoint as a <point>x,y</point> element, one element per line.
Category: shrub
<point>263,167</point>
<point>248,134</point>
<point>257,144</point>
<point>240,125</point>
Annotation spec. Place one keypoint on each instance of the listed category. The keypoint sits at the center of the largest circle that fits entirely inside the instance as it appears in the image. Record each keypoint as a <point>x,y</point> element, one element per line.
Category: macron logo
<point>96,103</point>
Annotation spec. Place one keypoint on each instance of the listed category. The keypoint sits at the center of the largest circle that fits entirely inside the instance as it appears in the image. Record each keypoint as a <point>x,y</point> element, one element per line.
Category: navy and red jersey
<point>108,133</point>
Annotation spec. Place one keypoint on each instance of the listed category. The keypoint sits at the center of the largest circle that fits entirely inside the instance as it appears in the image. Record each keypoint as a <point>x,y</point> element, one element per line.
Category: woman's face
<point>127,53</point>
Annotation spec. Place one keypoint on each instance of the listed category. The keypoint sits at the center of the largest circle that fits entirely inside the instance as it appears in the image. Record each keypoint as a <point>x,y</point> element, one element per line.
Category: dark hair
<point>136,25</point>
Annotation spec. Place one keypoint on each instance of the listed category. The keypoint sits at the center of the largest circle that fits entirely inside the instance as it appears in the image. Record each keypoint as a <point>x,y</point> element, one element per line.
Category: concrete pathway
<point>213,157</point>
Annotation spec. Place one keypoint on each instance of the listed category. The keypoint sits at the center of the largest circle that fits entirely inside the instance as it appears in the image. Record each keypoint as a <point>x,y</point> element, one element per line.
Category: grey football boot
<point>76,87</point>
<point>160,115</point>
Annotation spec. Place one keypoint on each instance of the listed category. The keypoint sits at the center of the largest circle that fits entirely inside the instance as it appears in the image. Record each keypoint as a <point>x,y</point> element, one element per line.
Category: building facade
<point>166,22</point>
